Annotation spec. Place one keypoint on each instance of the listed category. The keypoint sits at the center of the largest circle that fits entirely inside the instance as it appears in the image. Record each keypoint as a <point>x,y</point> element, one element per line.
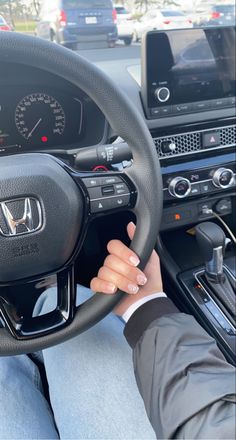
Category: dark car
<point>219,15</point>
<point>223,15</point>
<point>70,22</point>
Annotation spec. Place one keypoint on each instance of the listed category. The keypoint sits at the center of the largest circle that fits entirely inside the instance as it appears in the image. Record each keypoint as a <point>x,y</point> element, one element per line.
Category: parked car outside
<point>161,19</point>
<point>220,15</point>
<point>3,24</point>
<point>70,22</point>
<point>124,24</point>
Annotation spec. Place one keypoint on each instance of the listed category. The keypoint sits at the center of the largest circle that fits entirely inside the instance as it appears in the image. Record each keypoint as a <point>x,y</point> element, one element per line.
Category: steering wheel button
<point>108,190</point>
<point>110,180</point>
<point>98,206</point>
<point>93,181</point>
<point>118,202</point>
<point>121,188</point>
<point>95,193</point>
<point>109,203</point>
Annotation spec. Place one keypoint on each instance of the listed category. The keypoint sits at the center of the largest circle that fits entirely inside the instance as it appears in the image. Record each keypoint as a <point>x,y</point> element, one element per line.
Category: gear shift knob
<point>211,241</point>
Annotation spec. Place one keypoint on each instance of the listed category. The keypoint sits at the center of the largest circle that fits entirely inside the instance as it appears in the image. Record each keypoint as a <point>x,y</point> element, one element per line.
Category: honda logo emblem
<point>20,216</point>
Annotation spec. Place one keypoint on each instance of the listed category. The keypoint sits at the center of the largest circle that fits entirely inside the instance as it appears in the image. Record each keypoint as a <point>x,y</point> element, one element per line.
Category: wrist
<point>130,300</point>
<point>142,318</point>
<point>136,304</point>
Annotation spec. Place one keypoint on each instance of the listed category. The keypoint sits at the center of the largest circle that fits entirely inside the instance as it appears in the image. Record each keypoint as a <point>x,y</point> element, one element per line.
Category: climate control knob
<point>223,178</point>
<point>162,94</point>
<point>179,187</point>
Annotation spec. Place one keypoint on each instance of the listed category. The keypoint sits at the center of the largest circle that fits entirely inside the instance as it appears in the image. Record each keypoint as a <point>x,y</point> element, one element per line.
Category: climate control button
<point>223,178</point>
<point>179,187</point>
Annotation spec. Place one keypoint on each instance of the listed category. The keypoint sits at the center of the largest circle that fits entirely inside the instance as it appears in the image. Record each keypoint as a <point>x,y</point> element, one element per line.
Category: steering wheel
<point>46,206</point>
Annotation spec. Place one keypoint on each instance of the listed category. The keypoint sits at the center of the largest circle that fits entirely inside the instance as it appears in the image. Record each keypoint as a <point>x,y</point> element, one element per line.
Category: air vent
<point>191,142</point>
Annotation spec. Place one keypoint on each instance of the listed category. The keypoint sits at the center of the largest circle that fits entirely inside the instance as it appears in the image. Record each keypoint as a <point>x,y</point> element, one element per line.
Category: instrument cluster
<point>34,119</point>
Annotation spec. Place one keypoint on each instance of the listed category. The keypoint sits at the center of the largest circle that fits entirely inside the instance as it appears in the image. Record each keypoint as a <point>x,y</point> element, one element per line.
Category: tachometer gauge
<point>40,118</point>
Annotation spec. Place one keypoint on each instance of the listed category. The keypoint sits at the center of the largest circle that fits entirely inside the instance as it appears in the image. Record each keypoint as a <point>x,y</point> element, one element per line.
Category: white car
<point>124,24</point>
<point>161,19</point>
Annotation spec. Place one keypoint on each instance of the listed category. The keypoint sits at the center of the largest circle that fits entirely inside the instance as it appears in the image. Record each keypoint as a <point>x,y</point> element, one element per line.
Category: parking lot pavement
<point>119,52</point>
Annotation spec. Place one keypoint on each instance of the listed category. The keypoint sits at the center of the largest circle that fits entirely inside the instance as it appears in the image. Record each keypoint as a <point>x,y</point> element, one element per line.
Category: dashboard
<point>40,112</point>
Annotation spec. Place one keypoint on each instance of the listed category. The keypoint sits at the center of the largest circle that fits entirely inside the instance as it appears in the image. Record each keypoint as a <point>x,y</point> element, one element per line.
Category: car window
<point>87,4</point>
<point>121,10</point>
<point>172,13</point>
<point>2,21</point>
<point>225,8</point>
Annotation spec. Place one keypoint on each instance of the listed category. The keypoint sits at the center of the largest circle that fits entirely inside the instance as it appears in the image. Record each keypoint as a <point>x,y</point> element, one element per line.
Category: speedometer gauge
<point>39,118</point>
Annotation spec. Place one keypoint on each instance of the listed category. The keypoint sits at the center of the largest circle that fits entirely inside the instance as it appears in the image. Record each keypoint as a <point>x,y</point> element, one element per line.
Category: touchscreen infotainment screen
<point>189,66</point>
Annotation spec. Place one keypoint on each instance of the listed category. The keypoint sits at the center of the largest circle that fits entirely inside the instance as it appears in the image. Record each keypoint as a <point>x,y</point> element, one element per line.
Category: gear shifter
<point>211,241</point>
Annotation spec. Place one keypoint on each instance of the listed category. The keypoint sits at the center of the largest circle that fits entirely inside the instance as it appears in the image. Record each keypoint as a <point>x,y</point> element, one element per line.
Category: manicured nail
<point>133,289</point>
<point>141,280</point>
<point>134,260</point>
<point>110,288</point>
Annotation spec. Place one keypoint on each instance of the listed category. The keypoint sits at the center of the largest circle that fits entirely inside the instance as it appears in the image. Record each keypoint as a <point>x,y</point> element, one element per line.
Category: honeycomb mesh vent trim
<point>192,142</point>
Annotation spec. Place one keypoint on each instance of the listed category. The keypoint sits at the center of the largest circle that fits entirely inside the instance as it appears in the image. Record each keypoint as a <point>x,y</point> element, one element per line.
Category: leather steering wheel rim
<point>128,123</point>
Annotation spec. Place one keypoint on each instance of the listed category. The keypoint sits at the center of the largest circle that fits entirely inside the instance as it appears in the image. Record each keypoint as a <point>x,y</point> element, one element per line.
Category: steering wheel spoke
<point>23,326</point>
<point>107,193</point>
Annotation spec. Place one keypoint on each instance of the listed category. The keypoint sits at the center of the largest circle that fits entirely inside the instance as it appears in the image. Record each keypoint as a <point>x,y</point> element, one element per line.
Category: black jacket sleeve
<point>187,386</point>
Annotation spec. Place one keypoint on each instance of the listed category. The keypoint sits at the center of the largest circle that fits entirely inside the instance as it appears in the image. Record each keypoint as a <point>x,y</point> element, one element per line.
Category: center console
<point>196,189</point>
<point>188,88</point>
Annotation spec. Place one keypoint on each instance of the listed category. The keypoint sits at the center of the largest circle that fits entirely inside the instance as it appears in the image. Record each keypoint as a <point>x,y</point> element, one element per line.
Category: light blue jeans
<point>92,388</point>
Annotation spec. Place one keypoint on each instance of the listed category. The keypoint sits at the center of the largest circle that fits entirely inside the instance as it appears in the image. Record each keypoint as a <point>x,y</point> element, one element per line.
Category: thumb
<point>131,230</point>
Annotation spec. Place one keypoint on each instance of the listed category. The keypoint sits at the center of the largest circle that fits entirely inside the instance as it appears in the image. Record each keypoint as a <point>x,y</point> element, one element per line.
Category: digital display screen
<point>192,64</point>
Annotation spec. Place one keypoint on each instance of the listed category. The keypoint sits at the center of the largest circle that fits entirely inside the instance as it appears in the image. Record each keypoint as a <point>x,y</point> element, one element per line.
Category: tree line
<point>19,8</point>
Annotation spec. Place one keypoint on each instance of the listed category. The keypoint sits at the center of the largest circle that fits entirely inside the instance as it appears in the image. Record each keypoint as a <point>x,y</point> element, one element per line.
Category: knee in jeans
<point>47,302</point>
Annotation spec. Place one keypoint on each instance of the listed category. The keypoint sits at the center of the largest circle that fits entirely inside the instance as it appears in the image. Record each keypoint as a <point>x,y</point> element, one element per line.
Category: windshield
<point>172,13</point>
<point>86,4</point>
<point>2,21</point>
<point>106,31</point>
<point>225,8</point>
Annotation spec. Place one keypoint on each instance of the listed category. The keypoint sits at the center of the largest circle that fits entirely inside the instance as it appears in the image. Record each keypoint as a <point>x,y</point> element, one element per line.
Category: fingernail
<point>134,260</point>
<point>141,279</point>
<point>133,289</point>
<point>110,288</point>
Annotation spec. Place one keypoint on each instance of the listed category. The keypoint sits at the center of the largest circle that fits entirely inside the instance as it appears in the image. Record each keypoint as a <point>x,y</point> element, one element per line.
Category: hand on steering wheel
<point>120,271</point>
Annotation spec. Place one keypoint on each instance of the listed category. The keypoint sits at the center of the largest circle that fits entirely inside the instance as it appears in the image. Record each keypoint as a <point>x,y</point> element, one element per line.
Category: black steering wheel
<point>45,206</point>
